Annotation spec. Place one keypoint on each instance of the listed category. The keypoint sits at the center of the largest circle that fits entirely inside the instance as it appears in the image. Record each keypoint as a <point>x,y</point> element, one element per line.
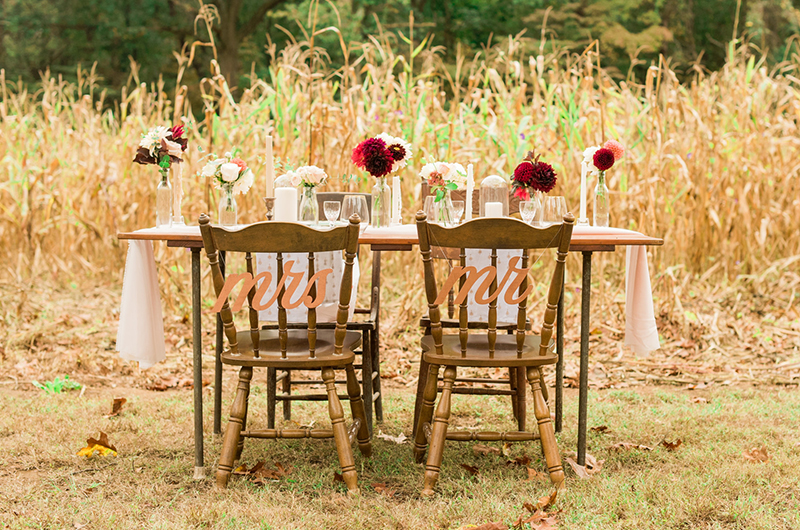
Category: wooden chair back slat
<point>493,234</point>
<point>280,239</point>
<point>312,312</point>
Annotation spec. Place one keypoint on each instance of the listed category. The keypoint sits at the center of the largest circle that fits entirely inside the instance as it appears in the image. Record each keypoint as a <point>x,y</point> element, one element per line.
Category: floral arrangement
<point>381,155</point>
<point>602,158</point>
<point>162,146</point>
<point>229,173</point>
<point>307,176</point>
<point>532,175</point>
<point>443,176</point>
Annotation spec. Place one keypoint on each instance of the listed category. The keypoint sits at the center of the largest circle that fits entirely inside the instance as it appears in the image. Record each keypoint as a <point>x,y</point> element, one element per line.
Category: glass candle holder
<point>494,189</point>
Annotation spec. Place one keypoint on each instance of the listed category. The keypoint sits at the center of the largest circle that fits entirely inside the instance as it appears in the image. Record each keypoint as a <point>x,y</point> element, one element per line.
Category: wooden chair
<point>310,348</point>
<point>515,382</point>
<point>370,364</point>
<point>521,350</point>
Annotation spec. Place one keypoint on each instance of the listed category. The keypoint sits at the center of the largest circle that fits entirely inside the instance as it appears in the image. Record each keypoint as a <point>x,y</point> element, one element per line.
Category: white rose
<point>230,172</point>
<point>244,183</point>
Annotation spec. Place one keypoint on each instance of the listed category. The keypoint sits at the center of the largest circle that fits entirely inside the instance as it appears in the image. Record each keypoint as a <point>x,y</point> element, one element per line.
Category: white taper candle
<point>270,169</point>
<point>470,191</point>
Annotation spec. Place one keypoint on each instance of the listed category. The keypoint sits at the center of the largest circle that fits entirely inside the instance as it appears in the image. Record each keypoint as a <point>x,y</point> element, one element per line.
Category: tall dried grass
<point>711,166</point>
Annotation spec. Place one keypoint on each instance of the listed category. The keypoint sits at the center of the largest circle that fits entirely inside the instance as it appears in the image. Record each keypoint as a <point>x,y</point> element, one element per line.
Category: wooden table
<point>586,244</point>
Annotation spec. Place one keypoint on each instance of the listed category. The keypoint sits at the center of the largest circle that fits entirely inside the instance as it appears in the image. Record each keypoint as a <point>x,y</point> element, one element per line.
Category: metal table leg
<point>197,367</point>
<point>218,363</point>
<point>560,363</point>
<point>375,339</point>
<point>586,291</point>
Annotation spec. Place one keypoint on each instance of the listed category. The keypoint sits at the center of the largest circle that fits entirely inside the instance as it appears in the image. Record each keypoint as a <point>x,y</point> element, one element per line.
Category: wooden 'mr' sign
<point>472,275</point>
<point>319,278</point>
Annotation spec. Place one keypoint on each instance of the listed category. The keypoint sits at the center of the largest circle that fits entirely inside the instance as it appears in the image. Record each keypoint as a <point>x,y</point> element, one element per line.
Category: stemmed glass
<point>355,204</point>
<point>332,209</point>
<point>528,210</point>
<point>458,211</point>
<point>554,210</point>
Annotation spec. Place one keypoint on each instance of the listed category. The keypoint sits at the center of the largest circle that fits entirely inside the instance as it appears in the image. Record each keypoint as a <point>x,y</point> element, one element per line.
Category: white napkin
<point>141,328</point>
<point>641,333</point>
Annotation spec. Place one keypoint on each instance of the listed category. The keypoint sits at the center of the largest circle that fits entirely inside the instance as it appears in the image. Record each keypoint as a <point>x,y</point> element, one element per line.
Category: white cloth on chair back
<point>480,258</point>
<point>326,312</point>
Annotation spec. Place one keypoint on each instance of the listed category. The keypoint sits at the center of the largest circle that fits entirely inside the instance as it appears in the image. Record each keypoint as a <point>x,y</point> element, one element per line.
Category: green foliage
<point>58,385</point>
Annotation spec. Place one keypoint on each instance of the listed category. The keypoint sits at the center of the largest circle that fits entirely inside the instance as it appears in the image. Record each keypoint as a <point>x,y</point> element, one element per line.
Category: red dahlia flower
<point>603,158</point>
<point>543,177</point>
<point>373,156</point>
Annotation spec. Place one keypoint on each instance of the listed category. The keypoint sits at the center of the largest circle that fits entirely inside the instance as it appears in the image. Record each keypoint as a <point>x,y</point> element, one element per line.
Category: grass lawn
<point>706,483</point>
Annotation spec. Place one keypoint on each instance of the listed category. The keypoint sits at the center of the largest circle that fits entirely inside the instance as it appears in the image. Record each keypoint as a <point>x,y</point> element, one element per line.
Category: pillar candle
<point>470,191</point>
<point>493,209</point>
<point>270,169</point>
<point>397,201</point>
<point>583,219</point>
<point>286,204</point>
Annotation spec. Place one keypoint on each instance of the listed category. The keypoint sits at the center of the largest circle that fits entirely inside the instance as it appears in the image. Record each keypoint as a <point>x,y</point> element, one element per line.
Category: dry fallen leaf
<point>337,477</point>
<point>547,501</point>
<point>382,488</point>
<point>602,429</point>
<point>472,470</point>
<point>625,446</point>
<point>592,467</point>
<point>101,445</point>
<point>480,449</point>
<point>671,446</point>
<point>399,439</point>
<point>699,399</point>
<point>174,382</point>
<point>523,461</point>
<point>757,454</point>
<point>116,407</point>
<point>536,475</point>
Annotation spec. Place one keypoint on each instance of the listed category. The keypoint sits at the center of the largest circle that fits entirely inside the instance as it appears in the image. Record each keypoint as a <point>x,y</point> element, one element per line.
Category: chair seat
<point>450,323</point>
<point>297,354</point>
<point>478,351</point>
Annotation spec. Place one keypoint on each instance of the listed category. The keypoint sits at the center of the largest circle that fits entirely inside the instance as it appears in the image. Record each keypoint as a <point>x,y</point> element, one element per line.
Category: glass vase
<point>538,199</point>
<point>600,210</point>
<point>444,212</point>
<point>309,208</point>
<point>381,204</point>
<point>228,210</point>
<point>164,201</point>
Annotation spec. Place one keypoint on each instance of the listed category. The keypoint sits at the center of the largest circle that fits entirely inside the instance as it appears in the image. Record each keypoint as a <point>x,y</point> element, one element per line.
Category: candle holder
<point>269,202</point>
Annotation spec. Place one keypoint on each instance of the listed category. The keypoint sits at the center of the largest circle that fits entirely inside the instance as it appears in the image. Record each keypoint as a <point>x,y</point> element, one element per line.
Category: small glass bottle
<point>228,210</point>
<point>601,201</point>
<point>164,201</point>
<point>381,204</point>
<point>309,208</point>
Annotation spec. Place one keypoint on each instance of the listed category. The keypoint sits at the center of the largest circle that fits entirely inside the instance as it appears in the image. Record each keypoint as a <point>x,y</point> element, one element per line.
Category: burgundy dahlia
<point>543,178</point>
<point>603,159</point>
<point>524,173</point>
<point>373,156</point>
<point>397,151</point>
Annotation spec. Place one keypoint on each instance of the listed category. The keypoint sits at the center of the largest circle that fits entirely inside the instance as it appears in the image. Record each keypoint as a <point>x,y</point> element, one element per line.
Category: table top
<point>403,237</point>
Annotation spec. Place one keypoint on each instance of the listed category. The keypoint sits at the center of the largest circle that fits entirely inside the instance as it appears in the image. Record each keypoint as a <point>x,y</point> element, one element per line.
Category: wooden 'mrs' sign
<point>472,275</point>
<point>320,278</point>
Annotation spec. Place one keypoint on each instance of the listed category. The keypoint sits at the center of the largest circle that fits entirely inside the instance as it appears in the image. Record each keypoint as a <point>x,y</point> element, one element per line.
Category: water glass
<point>554,210</point>
<point>431,208</point>
<point>458,211</point>
<point>332,210</point>
<point>528,210</point>
<point>355,204</point>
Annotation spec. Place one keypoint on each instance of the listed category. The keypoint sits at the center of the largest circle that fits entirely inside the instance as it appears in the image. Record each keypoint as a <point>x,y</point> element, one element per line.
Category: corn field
<point>711,164</point>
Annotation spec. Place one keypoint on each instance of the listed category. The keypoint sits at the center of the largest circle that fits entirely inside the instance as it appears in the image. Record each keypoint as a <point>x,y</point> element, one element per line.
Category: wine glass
<point>355,204</point>
<point>555,209</point>
<point>458,211</point>
<point>431,209</point>
<point>332,210</point>
<point>528,210</point>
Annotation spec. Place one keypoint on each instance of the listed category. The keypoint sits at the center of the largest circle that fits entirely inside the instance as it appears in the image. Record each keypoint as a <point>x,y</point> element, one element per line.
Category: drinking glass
<point>431,208</point>
<point>555,209</point>
<point>458,211</point>
<point>332,209</point>
<point>355,204</point>
<point>528,210</point>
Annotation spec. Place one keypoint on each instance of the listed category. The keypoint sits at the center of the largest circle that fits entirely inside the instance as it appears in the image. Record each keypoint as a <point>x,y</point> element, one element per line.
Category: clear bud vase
<point>228,210</point>
<point>601,200</point>
<point>444,210</point>
<point>381,204</point>
<point>309,207</point>
<point>164,201</point>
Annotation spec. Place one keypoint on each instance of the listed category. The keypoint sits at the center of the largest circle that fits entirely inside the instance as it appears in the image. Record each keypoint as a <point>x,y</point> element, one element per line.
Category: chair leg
<point>366,375</point>
<point>424,368</point>
<point>430,380</point>
<point>287,389</point>
<point>521,397</point>
<point>514,386</point>
<point>240,445</point>
<point>376,384</point>
<point>336,413</point>
<point>439,434</point>
<point>546,433</point>
<point>271,401</point>
<point>357,409</point>
<point>234,429</point>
